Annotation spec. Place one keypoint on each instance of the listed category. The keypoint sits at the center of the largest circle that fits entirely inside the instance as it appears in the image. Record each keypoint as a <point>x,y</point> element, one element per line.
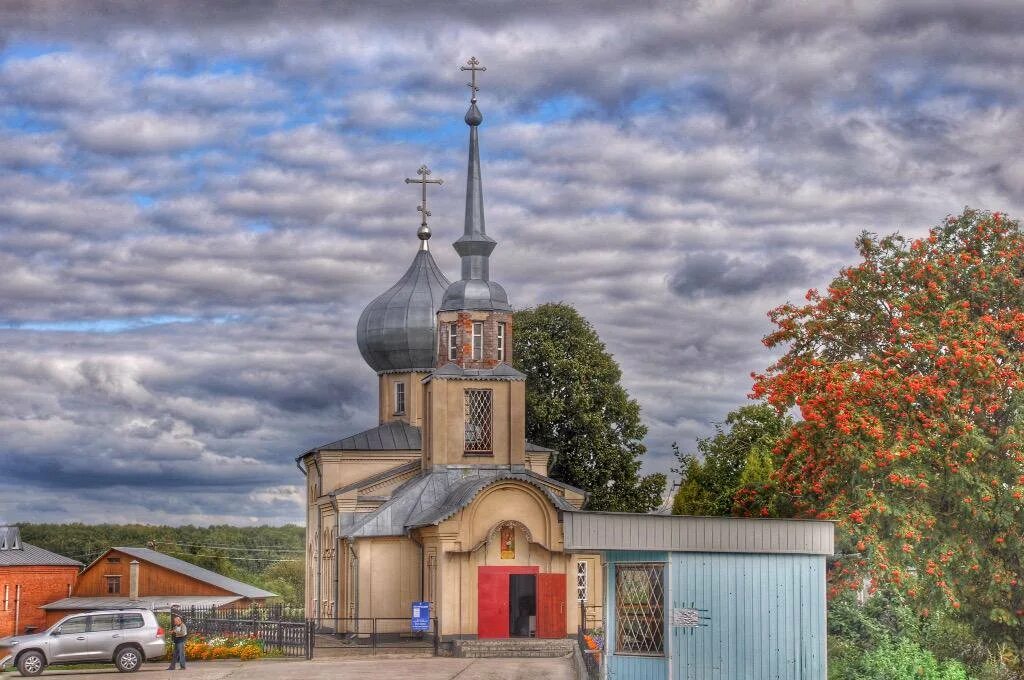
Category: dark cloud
<point>715,273</point>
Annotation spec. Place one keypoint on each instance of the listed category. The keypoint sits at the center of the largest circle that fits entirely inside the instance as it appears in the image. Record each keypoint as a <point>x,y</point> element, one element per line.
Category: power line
<point>236,559</point>
<point>229,547</point>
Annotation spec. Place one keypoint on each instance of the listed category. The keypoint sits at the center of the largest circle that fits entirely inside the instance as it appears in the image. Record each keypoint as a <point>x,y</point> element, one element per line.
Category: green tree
<point>739,455</point>
<point>576,405</point>
<point>909,376</point>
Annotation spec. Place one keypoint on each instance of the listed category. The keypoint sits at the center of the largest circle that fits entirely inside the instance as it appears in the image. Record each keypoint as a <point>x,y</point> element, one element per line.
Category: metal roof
<point>530,446</point>
<point>434,496</point>
<point>29,555</point>
<point>499,372</point>
<point>394,435</point>
<point>196,572</point>
<point>155,603</point>
<point>411,466</point>
<point>396,332</point>
<point>10,538</point>
<point>682,533</point>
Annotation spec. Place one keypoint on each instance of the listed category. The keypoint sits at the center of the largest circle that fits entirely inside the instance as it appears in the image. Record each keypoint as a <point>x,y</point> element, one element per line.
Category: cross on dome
<point>424,231</point>
<point>473,65</point>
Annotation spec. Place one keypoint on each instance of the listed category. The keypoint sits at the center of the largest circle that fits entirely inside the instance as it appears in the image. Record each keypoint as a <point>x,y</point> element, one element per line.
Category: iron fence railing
<point>289,638</point>
<point>591,640</point>
<point>266,612</point>
<point>376,633</point>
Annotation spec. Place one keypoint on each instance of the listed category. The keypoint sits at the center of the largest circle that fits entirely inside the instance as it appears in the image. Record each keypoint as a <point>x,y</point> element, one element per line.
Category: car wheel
<point>128,659</point>
<point>31,664</point>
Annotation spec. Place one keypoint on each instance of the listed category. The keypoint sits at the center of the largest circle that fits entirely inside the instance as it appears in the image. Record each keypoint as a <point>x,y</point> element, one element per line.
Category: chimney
<point>133,580</point>
<point>10,538</point>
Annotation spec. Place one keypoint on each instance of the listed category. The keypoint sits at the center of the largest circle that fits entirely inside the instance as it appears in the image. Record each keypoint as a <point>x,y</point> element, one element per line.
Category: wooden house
<point>127,578</point>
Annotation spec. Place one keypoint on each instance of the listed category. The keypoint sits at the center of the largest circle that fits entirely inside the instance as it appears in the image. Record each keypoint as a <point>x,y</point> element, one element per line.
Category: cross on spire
<point>424,172</point>
<point>473,66</point>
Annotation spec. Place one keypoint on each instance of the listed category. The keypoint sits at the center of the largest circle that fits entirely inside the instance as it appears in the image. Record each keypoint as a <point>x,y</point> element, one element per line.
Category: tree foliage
<point>576,405</point>
<point>739,455</point>
<point>909,378</point>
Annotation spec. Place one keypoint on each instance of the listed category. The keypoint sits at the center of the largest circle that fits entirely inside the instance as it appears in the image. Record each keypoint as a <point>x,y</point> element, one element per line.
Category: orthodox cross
<point>424,173</point>
<point>473,67</point>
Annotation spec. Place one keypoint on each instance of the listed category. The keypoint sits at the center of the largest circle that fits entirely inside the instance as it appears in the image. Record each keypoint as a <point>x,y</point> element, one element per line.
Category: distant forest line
<point>268,557</point>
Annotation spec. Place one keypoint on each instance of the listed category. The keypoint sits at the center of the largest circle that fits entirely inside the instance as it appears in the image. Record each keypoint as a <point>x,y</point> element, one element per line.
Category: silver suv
<point>125,638</point>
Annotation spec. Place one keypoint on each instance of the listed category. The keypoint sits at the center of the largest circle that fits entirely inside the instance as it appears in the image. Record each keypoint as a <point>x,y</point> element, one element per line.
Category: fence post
<point>373,636</point>
<point>437,634</point>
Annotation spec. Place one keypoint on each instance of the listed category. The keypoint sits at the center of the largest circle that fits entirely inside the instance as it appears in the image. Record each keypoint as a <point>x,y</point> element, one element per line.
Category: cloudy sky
<point>197,200</point>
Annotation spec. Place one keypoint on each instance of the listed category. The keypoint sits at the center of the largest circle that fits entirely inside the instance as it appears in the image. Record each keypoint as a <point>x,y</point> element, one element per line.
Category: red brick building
<point>29,578</point>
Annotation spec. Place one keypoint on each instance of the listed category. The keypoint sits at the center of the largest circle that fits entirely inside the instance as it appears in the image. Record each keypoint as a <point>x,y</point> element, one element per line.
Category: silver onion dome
<point>396,332</point>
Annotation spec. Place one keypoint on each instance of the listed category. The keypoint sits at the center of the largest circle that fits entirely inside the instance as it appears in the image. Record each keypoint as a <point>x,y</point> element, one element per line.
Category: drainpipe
<point>17,607</point>
<point>337,561</point>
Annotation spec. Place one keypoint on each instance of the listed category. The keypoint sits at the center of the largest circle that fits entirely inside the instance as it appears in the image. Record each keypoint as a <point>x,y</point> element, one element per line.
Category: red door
<point>551,605</point>
<point>492,586</point>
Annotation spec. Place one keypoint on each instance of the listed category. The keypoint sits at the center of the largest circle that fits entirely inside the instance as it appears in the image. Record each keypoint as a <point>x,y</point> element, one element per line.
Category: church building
<point>444,500</point>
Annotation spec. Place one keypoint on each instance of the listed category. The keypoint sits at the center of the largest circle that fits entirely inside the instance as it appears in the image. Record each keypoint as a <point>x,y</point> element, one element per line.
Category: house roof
<point>196,572</point>
<point>432,497</point>
<point>29,555</point>
<point>155,603</point>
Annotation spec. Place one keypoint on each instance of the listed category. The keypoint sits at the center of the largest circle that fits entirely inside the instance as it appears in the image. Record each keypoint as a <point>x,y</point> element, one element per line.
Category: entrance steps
<point>512,647</point>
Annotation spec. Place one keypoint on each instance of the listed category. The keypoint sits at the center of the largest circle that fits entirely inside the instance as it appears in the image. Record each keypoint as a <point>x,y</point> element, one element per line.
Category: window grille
<point>581,581</point>
<point>399,398</point>
<point>478,340</point>
<point>478,421</point>
<point>501,342</point>
<point>639,609</point>
<point>113,585</point>
<point>453,342</point>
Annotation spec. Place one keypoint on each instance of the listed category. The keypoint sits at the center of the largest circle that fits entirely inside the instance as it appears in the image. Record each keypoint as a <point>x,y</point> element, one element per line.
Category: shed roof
<point>29,555</point>
<point>156,602</point>
<point>196,572</point>
<point>628,531</point>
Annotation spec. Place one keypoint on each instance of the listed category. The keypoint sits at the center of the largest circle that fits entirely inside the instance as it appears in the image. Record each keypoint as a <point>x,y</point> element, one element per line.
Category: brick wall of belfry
<point>464,324</point>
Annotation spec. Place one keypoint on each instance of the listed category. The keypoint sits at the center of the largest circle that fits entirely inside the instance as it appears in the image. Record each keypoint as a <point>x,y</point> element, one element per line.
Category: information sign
<point>420,616</point>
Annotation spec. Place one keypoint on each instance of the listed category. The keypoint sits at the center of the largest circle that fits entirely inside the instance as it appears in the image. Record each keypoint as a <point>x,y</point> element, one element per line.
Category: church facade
<point>444,500</point>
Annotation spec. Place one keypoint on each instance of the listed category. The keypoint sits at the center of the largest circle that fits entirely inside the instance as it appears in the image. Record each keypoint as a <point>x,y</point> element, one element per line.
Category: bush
<point>906,661</point>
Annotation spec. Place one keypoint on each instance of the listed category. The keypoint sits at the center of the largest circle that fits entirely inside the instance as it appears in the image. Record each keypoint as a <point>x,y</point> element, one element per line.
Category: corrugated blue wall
<point>766,618</point>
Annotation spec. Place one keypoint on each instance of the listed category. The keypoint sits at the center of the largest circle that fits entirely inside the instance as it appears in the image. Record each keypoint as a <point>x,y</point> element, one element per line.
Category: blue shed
<point>709,598</point>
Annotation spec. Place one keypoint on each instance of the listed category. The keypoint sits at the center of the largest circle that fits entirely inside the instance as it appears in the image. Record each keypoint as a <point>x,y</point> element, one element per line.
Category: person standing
<point>178,633</point>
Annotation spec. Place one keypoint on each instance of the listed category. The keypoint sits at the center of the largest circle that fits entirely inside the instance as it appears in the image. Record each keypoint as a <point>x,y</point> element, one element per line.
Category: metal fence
<point>266,612</point>
<point>591,640</point>
<point>372,634</point>
<point>289,638</point>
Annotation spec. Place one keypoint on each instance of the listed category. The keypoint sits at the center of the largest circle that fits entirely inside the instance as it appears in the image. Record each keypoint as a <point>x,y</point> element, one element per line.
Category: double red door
<point>493,602</point>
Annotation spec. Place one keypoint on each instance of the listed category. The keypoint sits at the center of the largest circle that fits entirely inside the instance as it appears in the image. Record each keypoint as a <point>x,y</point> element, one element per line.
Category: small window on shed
<point>582,580</point>
<point>113,585</point>
<point>639,609</point>
<point>113,560</point>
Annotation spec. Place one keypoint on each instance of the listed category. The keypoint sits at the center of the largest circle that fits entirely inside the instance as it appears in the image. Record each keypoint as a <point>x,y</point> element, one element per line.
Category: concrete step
<point>515,648</point>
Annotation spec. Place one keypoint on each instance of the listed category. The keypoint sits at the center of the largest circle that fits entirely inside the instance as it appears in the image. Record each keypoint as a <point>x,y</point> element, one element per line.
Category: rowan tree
<point>576,404</point>
<point>909,377</point>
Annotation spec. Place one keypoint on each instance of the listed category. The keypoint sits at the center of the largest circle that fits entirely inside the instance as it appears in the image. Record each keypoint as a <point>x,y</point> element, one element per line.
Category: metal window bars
<point>639,609</point>
<point>581,581</point>
<point>478,421</point>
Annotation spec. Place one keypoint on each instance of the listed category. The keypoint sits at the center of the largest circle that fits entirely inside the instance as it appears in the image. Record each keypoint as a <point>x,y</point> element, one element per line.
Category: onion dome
<point>397,331</point>
<point>475,291</point>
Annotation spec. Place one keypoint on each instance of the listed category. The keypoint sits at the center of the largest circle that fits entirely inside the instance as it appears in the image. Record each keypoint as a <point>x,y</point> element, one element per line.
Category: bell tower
<point>475,399</point>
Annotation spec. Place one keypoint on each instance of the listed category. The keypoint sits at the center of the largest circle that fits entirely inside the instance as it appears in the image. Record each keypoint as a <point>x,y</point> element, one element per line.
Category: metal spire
<point>475,245</point>
<point>424,231</point>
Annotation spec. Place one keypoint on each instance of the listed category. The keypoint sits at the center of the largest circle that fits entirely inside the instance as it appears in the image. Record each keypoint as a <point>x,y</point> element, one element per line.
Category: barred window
<point>399,398</point>
<point>582,581</point>
<point>501,342</point>
<point>478,421</point>
<point>453,342</point>
<point>639,609</point>
<point>478,340</point>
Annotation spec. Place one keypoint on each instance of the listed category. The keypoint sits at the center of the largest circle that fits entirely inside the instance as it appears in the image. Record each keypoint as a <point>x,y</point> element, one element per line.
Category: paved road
<point>377,669</point>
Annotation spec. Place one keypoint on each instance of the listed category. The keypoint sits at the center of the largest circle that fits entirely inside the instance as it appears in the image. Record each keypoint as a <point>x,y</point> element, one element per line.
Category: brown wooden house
<point>128,578</point>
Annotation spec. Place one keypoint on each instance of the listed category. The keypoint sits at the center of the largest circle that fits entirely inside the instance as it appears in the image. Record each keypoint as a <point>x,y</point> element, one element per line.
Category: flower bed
<point>198,648</point>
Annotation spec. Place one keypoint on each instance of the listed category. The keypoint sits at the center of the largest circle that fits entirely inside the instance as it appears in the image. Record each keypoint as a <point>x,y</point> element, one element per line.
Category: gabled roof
<point>433,497</point>
<point>29,555</point>
<point>196,572</point>
<point>411,466</point>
